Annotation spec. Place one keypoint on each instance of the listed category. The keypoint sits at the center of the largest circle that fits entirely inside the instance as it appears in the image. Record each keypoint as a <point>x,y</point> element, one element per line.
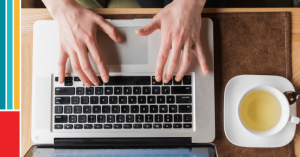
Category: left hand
<point>180,24</point>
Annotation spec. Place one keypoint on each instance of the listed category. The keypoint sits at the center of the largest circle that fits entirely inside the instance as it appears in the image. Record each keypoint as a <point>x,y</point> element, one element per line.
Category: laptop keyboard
<point>125,102</point>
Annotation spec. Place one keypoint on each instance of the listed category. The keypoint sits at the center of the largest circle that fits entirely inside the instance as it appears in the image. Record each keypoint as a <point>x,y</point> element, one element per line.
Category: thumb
<point>149,28</point>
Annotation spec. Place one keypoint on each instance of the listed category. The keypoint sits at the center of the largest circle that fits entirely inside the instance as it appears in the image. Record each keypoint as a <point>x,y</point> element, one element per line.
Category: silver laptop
<point>132,104</point>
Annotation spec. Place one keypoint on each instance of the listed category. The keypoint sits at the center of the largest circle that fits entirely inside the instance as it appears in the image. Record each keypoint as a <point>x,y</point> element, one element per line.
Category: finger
<point>162,57</point>
<point>110,30</point>
<point>77,69</point>
<point>173,61</point>
<point>201,56</point>
<point>86,66</point>
<point>149,28</point>
<point>63,57</point>
<point>185,62</point>
<point>98,59</point>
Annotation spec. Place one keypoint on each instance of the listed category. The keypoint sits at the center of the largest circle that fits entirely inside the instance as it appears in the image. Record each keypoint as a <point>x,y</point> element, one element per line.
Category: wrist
<point>55,7</point>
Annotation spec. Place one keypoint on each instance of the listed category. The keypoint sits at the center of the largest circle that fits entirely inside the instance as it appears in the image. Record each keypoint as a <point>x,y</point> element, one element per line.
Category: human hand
<point>180,24</point>
<point>77,28</point>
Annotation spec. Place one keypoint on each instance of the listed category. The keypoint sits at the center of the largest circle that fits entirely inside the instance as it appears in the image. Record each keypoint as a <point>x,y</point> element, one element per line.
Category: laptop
<point>132,105</point>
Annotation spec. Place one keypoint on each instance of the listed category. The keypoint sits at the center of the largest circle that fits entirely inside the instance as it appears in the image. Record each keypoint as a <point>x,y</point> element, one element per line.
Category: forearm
<point>55,7</point>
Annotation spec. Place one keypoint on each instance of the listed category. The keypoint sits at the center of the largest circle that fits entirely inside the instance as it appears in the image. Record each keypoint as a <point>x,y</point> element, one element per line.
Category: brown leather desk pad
<point>245,43</point>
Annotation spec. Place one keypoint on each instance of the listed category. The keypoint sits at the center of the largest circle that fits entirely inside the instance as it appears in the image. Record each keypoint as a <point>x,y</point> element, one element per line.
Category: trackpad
<point>133,49</point>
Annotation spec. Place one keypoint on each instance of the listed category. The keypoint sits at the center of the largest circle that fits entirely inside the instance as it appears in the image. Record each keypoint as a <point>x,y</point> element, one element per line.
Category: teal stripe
<point>9,54</point>
<point>2,55</point>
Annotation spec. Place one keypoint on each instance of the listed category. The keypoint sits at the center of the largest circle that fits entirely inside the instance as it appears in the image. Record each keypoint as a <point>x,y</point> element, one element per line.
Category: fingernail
<point>96,84</point>
<point>158,78</point>
<point>166,81</point>
<point>60,80</point>
<point>177,79</point>
<point>105,79</point>
<point>87,84</point>
<point>119,39</point>
<point>206,71</point>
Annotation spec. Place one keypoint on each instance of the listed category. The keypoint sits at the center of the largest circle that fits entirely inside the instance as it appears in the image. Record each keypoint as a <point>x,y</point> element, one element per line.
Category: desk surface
<point>29,16</point>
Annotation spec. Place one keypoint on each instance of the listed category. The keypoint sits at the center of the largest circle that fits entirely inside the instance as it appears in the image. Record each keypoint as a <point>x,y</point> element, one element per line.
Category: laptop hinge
<point>122,141</point>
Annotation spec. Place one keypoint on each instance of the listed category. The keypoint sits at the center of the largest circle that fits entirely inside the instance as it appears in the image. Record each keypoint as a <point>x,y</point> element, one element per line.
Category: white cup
<point>285,111</point>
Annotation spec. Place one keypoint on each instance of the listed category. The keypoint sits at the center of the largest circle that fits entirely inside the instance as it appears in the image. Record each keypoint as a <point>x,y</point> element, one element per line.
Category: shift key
<point>183,99</point>
<point>62,100</point>
<point>181,90</point>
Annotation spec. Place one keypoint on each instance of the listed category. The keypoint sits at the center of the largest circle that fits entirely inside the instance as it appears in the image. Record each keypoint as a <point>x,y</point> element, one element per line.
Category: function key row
<point>120,126</point>
<point>123,109</point>
<point>180,99</point>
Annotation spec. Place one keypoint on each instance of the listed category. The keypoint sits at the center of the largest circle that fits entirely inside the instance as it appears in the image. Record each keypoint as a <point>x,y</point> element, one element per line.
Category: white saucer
<point>234,130</point>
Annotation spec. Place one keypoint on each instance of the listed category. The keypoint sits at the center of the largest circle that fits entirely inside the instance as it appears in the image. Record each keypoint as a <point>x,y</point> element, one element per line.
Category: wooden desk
<point>29,16</point>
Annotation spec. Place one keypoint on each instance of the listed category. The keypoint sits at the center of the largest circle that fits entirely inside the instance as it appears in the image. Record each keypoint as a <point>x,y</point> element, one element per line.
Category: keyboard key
<point>125,109</point>
<point>127,90</point>
<point>146,90</point>
<point>68,78</point>
<point>68,83</point>
<point>76,79</point>
<point>79,90</point>
<point>101,118</point>
<point>185,108</point>
<point>122,100</point>
<point>110,118</point>
<point>128,80</point>
<point>68,126</point>
<point>141,99</point>
<point>134,109</point>
<point>129,118</point>
<point>81,119</point>
<point>98,90</point>
<point>64,91</point>
<point>96,109</point>
<point>117,126</point>
<point>108,90</point>
<point>177,118</point>
<point>120,118</point>
<point>165,90</point>
<point>137,126</point>
<point>187,80</point>
<point>115,109</point>
<point>173,108</point>
<point>75,100</point>
<point>147,126</point>
<point>113,99</point>
<point>58,126</point>
<point>91,119</point>
<point>132,99</point>
<point>62,100</point>
<point>103,100</point>
<point>78,126</point>
<point>127,126</point>
<point>77,109</point>
<point>154,81</point>
<point>175,82</point>
<point>181,90</point>
<point>97,126</point>
<point>157,126</point>
<point>136,90</point>
<point>107,126</point>
<point>187,118</point>
<point>151,99</point>
<point>101,82</point>
<point>88,126</point>
<point>177,125</point>
<point>187,125</point>
<point>148,118</point>
<point>139,118</point>
<point>168,118</point>
<point>86,109</point>
<point>158,118</point>
<point>117,90</point>
<point>61,119</point>
<point>170,100</point>
<point>153,108</point>
<point>161,99</point>
<point>58,109</point>
<point>163,108</point>
<point>105,109</point>
<point>56,79</point>
<point>144,109</point>
<point>155,90</point>
<point>183,99</point>
<point>67,109</point>
<point>94,100</point>
<point>89,91</point>
<point>168,126</point>
<point>72,119</point>
<point>84,100</point>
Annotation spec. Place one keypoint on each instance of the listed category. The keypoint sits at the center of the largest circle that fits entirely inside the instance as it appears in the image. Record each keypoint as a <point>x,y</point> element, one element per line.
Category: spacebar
<point>128,80</point>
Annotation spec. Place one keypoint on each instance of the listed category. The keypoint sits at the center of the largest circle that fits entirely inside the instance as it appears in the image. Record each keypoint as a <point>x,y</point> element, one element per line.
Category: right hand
<point>77,28</point>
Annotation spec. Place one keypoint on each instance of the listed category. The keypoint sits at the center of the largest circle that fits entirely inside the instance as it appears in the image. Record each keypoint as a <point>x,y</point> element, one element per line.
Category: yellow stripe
<point>16,54</point>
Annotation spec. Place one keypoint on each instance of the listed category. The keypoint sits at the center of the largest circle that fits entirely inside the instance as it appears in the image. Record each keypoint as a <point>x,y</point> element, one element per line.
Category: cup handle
<point>295,120</point>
